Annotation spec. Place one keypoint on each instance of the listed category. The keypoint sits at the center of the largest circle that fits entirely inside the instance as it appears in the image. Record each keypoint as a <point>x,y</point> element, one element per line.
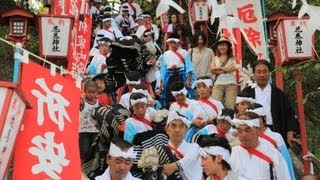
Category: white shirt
<point>190,163</point>
<point>142,28</point>
<point>120,18</point>
<point>204,110</point>
<point>106,176</point>
<point>263,97</point>
<point>97,61</point>
<point>211,129</point>
<point>131,12</point>
<point>251,167</point>
<point>171,59</point>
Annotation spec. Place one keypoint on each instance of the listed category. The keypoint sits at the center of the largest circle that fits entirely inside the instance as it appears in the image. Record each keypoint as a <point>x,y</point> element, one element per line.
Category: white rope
<point>44,60</point>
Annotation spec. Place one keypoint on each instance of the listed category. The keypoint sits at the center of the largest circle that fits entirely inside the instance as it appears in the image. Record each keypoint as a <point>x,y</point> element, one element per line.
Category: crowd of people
<point>168,111</point>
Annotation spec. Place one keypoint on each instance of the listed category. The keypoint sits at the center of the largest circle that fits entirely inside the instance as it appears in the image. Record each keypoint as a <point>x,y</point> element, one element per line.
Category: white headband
<point>145,92</point>
<point>174,116</point>
<point>215,150</point>
<point>115,151</point>
<point>248,99</point>
<point>182,91</point>
<point>249,122</point>
<point>126,38</point>
<point>148,33</point>
<point>226,118</point>
<point>133,82</point>
<point>173,39</point>
<point>106,19</point>
<point>207,82</point>
<point>142,100</point>
<point>260,111</point>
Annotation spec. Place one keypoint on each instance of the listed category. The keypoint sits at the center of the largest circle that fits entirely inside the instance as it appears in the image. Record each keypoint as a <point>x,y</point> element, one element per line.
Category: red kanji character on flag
<point>293,23</point>
<point>246,14</point>
<point>61,22</point>
<point>253,36</point>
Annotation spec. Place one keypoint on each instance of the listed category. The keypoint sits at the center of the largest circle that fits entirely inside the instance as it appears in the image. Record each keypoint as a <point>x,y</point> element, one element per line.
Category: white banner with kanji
<point>201,11</point>
<point>54,36</point>
<point>249,12</point>
<point>47,146</point>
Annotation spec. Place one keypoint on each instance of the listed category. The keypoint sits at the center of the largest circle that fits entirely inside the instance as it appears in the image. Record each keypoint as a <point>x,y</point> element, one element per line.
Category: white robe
<point>120,18</point>
<point>142,28</point>
<point>131,12</point>
<point>97,61</point>
<point>249,166</point>
<point>190,163</point>
<point>183,110</point>
<point>106,176</point>
<point>210,129</point>
<point>230,176</point>
<point>204,110</point>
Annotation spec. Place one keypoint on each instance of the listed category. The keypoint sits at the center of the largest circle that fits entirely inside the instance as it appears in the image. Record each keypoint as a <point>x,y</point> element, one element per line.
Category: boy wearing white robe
<point>253,159</point>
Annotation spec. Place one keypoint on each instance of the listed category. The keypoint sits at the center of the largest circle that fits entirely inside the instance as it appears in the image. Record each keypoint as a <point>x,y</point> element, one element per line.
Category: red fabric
<point>147,26</point>
<point>143,120</point>
<point>103,99</point>
<point>179,56</point>
<point>132,7</point>
<point>37,82</point>
<point>266,137</point>
<point>206,101</point>
<point>176,151</point>
<point>183,105</point>
<point>257,153</point>
<point>220,133</point>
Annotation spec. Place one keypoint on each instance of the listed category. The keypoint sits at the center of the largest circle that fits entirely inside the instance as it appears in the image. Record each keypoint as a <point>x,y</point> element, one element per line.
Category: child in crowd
<point>206,109</point>
<point>98,64</point>
<point>87,130</point>
<point>102,96</point>
<point>140,119</point>
<point>243,102</point>
<point>223,128</point>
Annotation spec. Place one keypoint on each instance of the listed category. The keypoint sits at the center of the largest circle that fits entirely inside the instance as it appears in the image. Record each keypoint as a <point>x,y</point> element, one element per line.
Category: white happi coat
<point>120,18</point>
<point>134,126</point>
<point>97,61</point>
<point>131,12</point>
<point>170,58</point>
<point>210,129</point>
<point>106,176</point>
<point>183,110</point>
<point>249,166</point>
<point>190,163</point>
<point>154,28</point>
<point>115,33</point>
<point>205,111</point>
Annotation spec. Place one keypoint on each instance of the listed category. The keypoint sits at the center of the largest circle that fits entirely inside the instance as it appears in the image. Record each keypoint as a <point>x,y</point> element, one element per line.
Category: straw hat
<point>224,40</point>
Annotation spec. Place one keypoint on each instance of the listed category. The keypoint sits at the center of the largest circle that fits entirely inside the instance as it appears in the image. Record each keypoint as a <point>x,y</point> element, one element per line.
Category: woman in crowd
<point>223,66</point>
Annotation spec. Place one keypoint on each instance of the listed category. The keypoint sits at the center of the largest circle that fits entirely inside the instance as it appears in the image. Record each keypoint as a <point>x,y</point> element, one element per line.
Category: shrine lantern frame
<point>278,29</point>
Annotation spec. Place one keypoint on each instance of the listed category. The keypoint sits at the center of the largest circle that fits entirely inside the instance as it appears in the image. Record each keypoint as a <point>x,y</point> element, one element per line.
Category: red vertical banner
<point>78,54</point>
<point>47,144</point>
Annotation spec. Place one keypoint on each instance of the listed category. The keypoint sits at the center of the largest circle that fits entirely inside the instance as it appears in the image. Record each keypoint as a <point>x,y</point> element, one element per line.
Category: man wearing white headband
<point>223,128</point>
<point>182,103</point>
<point>253,159</point>
<point>134,8</point>
<point>148,26</point>
<point>175,66</point>
<point>188,161</point>
<point>271,138</point>
<point>206,108</point>
<point>215,158</point>
<point>119,160</point>
<point>98,64</point>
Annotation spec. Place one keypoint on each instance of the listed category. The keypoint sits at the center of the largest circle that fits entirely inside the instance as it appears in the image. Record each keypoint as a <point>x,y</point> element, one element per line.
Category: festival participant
<point>124,100</point>
<point>187,162</point>
<point>182,103</point>
<point>253,159</point>
<point>96,8</point>
<point>87,129</point>
<point>108,31</point>
<point>171,27</point>
<point>134,8</point>
<point>102,96</point>
<point>119,160</point>
<point>148,26</point>
<point>243,102</point>
<point>140,119</point>
<point>98,63</point>
<point>223,66</point>
<point>215,158</point>
<point>206,109</point>
<point>280,114</point>
<point>223,128</point>
<point>125,21</point>
<point>175,66</point>
<point>132,78</point>
<point>201,56</point>
<point>272,138</point>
